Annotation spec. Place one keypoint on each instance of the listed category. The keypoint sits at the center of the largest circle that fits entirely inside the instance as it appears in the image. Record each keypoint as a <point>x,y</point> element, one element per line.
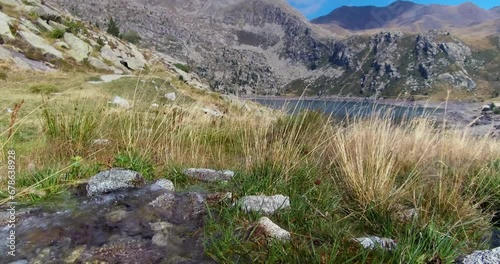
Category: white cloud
<point>308,7</point>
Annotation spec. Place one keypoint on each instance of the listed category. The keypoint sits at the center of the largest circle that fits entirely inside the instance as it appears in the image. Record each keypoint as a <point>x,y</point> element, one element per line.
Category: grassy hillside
<point>344,180</point>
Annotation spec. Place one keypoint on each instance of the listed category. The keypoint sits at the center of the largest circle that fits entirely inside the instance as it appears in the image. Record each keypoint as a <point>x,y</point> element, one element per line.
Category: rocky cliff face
<point>266,47</point>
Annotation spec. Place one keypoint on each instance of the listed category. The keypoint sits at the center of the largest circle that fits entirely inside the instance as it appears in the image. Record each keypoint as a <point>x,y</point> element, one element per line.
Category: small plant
<point>496,110</point>
<point>43,89</point>
<point>72,131</point>
<point>136,162</point>
<point>3,75</point>
<point>131,36</point>
<point>75,27</point>
<point>57,33</point>
<point>182,67</point>
<point>14,27</point>
<point>113,28</point>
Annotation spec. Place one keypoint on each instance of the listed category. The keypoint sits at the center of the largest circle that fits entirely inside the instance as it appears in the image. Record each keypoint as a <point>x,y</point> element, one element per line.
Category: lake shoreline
<point>460,106</point>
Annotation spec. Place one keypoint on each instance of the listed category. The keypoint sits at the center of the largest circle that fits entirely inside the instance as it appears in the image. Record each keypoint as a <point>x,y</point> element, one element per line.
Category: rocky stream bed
<point>118,218</point>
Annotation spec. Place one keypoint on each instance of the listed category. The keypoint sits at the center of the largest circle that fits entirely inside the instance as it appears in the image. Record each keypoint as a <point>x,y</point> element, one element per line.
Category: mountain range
<point>268,47</point>
<point>408,16</point>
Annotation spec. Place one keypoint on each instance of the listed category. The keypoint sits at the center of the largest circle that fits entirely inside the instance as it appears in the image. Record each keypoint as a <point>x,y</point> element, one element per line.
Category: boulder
<point>264,204</point>
<point>271,230</point>
<point>30,26</point>
<point>373,242</point>
<point>211,112</point>
<point>124,56</point>
<point>180,207</point>
<point>98,64</point>
<point>208,175</point>
<point>57,25</point>
<point>112,180</point>
<point>4,26</point>
<point>5,54</point>
<point>79,49</point>
<point>39,43</point>
<point>481,257</point>
<point>43,12</point>
<point>9,2</point>
<point>44,24</point>
<point>123,103</point>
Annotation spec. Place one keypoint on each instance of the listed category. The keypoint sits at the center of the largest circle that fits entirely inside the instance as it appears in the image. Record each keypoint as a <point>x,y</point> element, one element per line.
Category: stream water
<point>121,227</point>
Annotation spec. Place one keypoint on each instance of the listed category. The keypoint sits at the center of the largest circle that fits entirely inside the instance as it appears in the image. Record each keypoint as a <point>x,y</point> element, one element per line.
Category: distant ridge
<point>408,16</point>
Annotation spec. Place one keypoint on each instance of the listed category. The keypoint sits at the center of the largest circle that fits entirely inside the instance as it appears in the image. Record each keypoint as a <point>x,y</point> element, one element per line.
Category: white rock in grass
<point>264,204</point>
<point>101,142</point>
<point>118,101</point>
<point>171,96</point>
<point>9,111</point>
<point>374,242</point>
<point>209,175</point>
<point>482,257</point>
<point>155,105</point>
<point>272,230</point>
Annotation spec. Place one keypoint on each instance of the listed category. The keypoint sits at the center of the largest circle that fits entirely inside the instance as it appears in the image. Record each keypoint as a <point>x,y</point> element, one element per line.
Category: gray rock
<point>482,257</point>
<point>264,204</point>
<point>458,79</point>
<point>5,54</point>
<point>80,50</point>
<point>44,24</point>
<point>30,26</point>
<point>39,43</point>
<point>163,184</point>
<point>10,2</point>
<point>179,207</point>
<point>4,26</point>
<point>209,175</point>
<point>165,201</point>
<point>57,25</point>
<point>101,142</point>
<point>272,230</point>
<point>374,242</point>
<point>112,180</point>
<point>123,103</point>
<point>171,96</point>
<point>456,51</point>
<point>62,45</point>
<point>98,64</point>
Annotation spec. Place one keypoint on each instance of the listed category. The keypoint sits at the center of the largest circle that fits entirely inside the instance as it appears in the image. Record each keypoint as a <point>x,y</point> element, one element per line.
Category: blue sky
<point>314,8</point>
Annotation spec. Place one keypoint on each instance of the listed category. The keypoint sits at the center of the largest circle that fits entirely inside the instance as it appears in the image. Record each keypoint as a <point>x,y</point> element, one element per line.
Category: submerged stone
<point>163,184</point>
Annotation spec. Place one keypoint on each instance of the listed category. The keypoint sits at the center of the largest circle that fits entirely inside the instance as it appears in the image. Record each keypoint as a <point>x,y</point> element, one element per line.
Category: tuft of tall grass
<point>71,132</point>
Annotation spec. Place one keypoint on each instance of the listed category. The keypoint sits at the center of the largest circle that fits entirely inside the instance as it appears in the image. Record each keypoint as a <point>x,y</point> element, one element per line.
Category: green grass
<point>3,75</point>
<point>44,89</point>
<point>183,67</point>
<point>57,34</point>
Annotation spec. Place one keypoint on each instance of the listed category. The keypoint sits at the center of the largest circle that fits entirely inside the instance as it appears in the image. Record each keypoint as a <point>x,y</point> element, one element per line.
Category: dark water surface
<point>343,109</point>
